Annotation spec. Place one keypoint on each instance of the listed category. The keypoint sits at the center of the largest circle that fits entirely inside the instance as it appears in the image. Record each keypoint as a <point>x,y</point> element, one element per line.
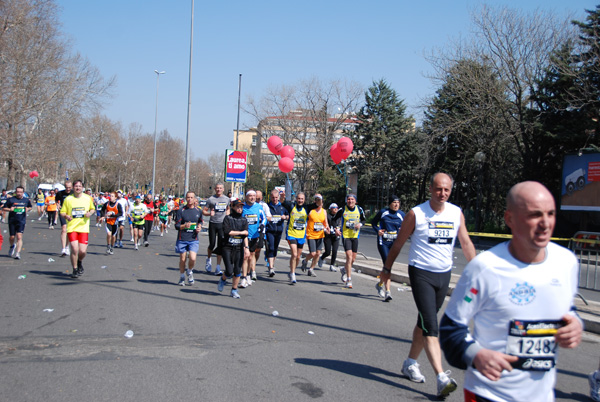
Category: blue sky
<point>270,43</point>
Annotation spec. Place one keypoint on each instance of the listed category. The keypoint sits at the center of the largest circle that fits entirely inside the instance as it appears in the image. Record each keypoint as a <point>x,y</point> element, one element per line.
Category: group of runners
<point>519,294</point>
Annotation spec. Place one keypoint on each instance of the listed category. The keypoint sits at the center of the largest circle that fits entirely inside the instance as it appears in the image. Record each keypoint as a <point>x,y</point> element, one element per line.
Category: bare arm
<point>465,241</point>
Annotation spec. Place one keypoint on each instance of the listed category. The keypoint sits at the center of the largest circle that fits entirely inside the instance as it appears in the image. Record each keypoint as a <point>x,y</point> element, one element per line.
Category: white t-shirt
<point>513,306</point>
<point>432,242</point>
<point>125,205</point>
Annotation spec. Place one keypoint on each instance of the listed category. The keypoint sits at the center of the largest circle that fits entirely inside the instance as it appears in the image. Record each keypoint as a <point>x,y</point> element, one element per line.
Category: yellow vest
<point>297,223</point>
<point>351,218</point>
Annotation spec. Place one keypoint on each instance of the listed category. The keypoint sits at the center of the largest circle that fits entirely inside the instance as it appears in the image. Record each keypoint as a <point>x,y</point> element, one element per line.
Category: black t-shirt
<point>61,195</point>
<point>20,212</point>
<point>185,215</point>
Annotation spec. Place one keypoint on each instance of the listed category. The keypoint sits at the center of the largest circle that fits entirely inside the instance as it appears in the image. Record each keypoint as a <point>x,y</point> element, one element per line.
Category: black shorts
<point>351,244</point>
<point>111,229</point>
<point>15,227</point>
<point>314,244</point>
<point>63,221</point>
<point>429,290</point>
<point>261,241</point>
<point>253,244</point>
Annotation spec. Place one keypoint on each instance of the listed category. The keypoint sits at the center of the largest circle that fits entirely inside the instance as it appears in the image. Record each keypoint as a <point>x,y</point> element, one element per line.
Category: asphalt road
<point>194,343</point>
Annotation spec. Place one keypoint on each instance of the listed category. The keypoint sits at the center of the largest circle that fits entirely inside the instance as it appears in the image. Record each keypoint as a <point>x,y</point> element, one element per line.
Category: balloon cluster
<point>341,150</point>
<point>287,153</point>
<point>33,174</point>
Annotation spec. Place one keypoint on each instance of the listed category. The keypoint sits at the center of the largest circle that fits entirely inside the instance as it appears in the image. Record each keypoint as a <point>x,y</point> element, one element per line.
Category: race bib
<point>318,227</point>
<point>252,219</point>
<point>221,207</point>
<point>299,225</point>
<point>235,240</point>
<point>351,223</point>
<point>390,235</point>
<point>19,210</point>
<point>533,343</point>
<point>192,227</point>
<point>78,212</point>
<point>275,218</point>
<point>441,232</point>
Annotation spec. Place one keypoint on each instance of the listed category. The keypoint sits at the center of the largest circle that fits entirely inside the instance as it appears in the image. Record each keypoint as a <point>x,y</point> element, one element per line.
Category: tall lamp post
<point>158,73</point>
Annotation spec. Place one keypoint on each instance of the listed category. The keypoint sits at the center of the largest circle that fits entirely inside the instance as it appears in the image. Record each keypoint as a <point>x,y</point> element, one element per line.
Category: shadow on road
<point>362,371</point>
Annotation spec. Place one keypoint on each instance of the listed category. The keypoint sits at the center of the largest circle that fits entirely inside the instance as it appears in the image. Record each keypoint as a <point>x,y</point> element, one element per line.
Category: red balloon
<point>33,174</point>
<point>288,152</point>
<point>345,146</point>
<point>275,144</point>
<point>286,165</point>
<point>334,151</point>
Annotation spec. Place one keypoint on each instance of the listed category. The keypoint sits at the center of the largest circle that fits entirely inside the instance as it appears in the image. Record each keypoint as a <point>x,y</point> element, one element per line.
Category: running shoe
<point>17,256</point>
<point>208,266</point>
<point>107,249</point>
<point>594,379</point>
<point>218,271</point>
<point>271,272</point>
<point>161,234</point>
<point>11,251</point>
<point>221,284</point>
<point>320,263</point>
<point>146,244</point>
<point>67,251</point>
<point>75,273</point>
<point>388,296</point>
<point>445,384</point>
<point>249,280</point>
<point>412,371</point>
<point>190,277</point>
<point>167,231</point>
<point>303,265</point>
<point>344,276</point>
<point>131,240</point>
<point>235,294</point>
<point>380,290</point>
<point>311,272</point>
<point>243,283</point>
<point>292,278</point>
<point>349,283</point>
<point>332,268</point>
<point>79,268</point>
<point>182,280</point>
<point>253,276</point>
<point>136,247</point>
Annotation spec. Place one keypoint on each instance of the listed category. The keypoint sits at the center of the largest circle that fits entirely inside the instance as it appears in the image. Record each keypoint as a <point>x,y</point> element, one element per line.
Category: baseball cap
<point>333,205</point>
<point>318,196</point>
<point>236,201</point>
<point>119,191</point>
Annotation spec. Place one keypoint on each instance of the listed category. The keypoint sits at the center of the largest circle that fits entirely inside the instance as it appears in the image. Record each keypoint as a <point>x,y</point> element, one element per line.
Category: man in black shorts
<point>434,226</point>
<point>17,208</point>
<point>60,198</point>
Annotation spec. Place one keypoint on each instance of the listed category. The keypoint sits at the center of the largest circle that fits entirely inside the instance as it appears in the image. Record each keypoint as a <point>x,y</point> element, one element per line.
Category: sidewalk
<point>590,313</point>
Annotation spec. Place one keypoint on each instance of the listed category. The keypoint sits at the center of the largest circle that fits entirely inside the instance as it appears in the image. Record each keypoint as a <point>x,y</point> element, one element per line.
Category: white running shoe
<point>67,251</point>
<point>190,277</point>
<point>208,266</point>
<point>253,276</point>
<point>292,278</point>
<point>412,371</point>
<point>380,290</point>
<point>243,283</point>
<point>332,268</point>
<point>445,384</point>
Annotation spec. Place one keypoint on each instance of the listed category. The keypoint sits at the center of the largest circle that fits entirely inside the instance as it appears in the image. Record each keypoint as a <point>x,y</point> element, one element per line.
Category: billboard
<point>236,166</point>
<point>580,187</point>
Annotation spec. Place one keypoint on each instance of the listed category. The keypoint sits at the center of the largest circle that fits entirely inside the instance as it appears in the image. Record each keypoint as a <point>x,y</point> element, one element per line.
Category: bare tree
<point>308,116</point>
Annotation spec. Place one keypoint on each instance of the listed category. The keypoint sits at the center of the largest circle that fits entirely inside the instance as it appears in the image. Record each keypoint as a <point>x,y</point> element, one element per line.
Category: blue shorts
<point>296,240</point>
<point>40,204</point>
<point>183,246</point>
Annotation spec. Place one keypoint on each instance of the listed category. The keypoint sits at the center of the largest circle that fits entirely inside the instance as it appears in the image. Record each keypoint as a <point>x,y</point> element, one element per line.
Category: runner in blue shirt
<point>387,224</point>
<point>255,215</point>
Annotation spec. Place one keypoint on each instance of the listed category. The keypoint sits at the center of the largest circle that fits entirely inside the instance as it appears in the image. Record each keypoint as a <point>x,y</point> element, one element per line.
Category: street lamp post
<point>158,73</point>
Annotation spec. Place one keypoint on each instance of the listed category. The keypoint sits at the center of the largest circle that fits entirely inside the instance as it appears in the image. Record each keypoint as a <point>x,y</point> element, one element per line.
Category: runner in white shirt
<point>519,296</point>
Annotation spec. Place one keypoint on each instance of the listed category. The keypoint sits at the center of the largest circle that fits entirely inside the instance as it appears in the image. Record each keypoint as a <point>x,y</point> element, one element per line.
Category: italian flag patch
<point>472,293</point>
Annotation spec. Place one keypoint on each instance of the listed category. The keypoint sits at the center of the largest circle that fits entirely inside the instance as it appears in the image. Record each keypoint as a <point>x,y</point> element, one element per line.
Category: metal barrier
<point>586,246</point>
